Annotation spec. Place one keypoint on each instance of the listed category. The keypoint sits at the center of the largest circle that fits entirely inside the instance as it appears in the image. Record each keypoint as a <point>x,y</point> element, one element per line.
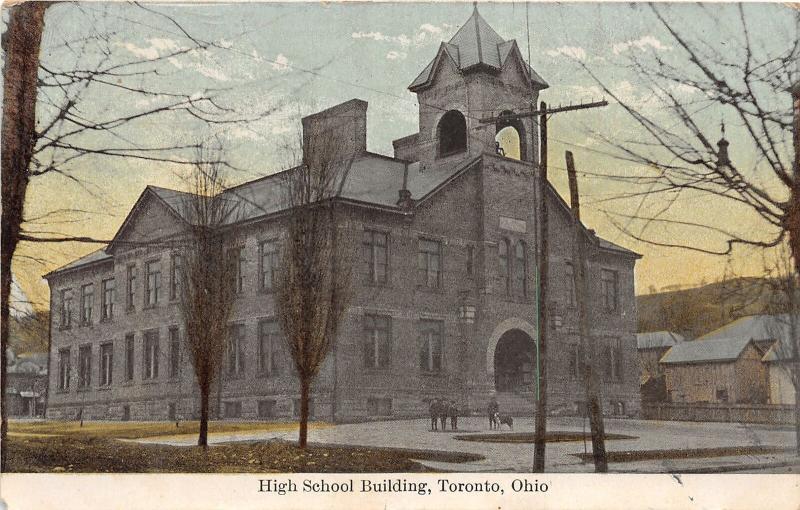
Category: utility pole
<point>579,265</point>
<point>542,312</point>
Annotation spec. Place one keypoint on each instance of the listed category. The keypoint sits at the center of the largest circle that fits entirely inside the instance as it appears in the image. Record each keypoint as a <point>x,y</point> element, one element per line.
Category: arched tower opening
<point>510,140</point>
<point>452,133</point>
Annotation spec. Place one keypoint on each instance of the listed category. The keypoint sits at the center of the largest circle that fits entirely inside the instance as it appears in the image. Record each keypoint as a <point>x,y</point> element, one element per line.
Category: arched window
<point>507,143</point>
<point>452,133</point>
<point>520,270</point>
<point>505,273</point>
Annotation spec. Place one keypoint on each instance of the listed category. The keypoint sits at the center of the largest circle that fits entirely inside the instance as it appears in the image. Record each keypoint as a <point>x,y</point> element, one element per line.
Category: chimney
<point>345,125</point>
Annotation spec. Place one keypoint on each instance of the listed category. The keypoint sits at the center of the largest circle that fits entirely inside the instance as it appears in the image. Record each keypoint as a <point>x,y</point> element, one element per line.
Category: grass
<point>136,430</point>
<point>528,437</point>
<point>693,453</point>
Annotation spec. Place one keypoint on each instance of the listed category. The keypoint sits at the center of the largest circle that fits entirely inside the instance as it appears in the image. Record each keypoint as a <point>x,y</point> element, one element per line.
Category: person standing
<point>453,415</point>
<point>493,410</point>
<point>434,412</point>
<point>443,413</point>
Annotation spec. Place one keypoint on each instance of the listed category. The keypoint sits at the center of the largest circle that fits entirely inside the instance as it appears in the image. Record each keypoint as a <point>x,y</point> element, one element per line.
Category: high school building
<point>445,287</point>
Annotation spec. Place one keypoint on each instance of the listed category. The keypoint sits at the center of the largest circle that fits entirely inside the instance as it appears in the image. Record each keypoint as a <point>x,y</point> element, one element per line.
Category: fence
<point>741,413</point>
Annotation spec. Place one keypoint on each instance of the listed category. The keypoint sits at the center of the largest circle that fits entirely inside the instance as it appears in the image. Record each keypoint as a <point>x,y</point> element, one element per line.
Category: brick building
<point>444,239</point>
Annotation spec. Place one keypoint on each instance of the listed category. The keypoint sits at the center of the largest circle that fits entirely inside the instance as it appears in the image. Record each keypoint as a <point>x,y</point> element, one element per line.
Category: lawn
<point>98,447</point>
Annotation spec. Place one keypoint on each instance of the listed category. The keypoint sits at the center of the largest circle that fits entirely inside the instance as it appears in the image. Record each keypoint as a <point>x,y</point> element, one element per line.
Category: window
<point>431,350</point>
<point>376,256</point>
<point>268,265</point>
<point>174,352</point>
<point>63,369</point>
<point>233,409</point>
<point>109,296</point>
<point>85,366</point>
<point>66,308</point>
<point>175,275</point>
<point>87,303</point>
<point>150,368</point>
<point>377,341</point>
<point>106,364</point>
<point>266,408</point>
<point>470,264</point>
<point>612,361</point>
<point>129,343</point>
<point>236,256</point>
<point>379,406</point>
<point>430,263</point>
<point>610,287</point>
<point>269,339</point>
<point>452,133</point>
<point>520,269</point>
<point>503,265</point>
<point>152,282</point>
<point>570,279</point>
<point>131,290</point>
<point>235,352</point>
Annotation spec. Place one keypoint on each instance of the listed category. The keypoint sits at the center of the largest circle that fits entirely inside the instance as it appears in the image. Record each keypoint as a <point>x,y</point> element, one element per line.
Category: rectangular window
<point>66,308</point>
<point>150,368</point>
<point>174,352</point>
<point>129,346</point>
<point>152,282</point>
<point>377,341</point>
<point>236,256</point>
<point>63,369</point>
<point>503,266</point>
<point>432,348</point>
<point>109,296</point>
<point>610,287</point>
<point>85,366</point>
<point>379,406</point>
<point>266,408</point>
<point>269,347</point>
<point>268,264</point>
<point>106,364</point>
<point>376,256</point>
<point>175,276</point>
<point>233,409</point>
<point>130,274</point>
<point>87,303</point>
<point>430,263</point>
<point>235,353</point>
<point>612,361</point>
<point>570,279</point>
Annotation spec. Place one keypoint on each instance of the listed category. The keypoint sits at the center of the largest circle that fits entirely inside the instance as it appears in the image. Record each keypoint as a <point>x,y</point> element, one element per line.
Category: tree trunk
<point>202,438</point>
<point>305,385</point>
<point>793,216</point>
<point>21,43</point>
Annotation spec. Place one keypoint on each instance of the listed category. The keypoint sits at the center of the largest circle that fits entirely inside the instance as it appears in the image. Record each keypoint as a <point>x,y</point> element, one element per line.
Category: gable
<point>150,220</point>
<point>512,72</point>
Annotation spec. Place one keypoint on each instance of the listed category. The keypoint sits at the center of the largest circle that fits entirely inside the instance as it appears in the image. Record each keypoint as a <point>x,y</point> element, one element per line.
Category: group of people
<point>440,410</point>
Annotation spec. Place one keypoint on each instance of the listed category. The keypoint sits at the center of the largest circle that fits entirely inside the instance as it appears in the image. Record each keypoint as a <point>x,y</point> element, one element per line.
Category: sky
<point>274,63</point>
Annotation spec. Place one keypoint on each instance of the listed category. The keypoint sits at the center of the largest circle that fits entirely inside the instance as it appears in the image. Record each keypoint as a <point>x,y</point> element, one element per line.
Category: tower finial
<point>475,6</point>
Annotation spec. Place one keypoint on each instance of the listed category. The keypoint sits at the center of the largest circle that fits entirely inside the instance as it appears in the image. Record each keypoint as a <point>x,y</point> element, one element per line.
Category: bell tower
<point>476,74</point>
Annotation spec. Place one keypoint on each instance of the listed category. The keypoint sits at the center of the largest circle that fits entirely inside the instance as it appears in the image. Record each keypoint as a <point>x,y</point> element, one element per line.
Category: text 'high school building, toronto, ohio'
<point>444,285</point>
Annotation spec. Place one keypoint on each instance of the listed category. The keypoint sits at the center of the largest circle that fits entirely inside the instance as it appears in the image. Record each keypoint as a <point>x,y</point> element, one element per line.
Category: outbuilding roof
<point>656,339</point>
<point>703,351</point>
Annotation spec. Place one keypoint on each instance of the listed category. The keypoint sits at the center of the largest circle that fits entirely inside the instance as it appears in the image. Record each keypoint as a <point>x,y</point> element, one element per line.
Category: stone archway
<point>498,332</point>
<point>514,360</point>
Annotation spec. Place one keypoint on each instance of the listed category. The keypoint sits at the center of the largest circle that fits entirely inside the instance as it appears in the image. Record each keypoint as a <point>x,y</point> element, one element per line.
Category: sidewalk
<point>517,457</point>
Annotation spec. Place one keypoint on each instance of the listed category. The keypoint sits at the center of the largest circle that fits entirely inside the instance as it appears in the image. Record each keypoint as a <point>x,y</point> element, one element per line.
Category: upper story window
<point>452,133</point>
<point>268,264</point>
<point>66,308</point>
<point>236,257</point>
<point>87,303</point>
<point>130,276</point>
<point>610,287</point>
<point>376,256</point>
<point>503,266</point>
<point>429,262</point>
<point>377,341</point>
<point>520,269</point>
<point>152,283</point>
<point>109,296</point>
<point>175,263</point>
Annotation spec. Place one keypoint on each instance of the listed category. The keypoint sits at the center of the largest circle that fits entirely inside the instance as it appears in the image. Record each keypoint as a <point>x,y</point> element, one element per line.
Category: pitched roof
<point>776,327</point>
<point>95,256</point>
<point>655,339</point>
<point>698,351</point>
<point>475,44</point>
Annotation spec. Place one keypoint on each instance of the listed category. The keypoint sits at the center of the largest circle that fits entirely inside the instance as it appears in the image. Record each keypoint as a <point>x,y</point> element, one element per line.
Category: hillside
<point>696,311</point>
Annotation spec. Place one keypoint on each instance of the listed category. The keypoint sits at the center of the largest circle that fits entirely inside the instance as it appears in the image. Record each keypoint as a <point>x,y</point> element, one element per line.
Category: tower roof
<point>475,44</point>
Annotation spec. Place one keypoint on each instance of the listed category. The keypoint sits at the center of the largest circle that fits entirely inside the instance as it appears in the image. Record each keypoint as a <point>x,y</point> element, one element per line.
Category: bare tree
<point>313,289</point>
<point>206,274</point>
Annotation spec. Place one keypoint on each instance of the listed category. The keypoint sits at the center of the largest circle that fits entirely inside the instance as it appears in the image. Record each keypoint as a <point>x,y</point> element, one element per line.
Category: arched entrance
<point>514,362</point>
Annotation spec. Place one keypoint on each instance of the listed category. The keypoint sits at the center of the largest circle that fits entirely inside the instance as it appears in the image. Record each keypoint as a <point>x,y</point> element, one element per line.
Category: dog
<point>504,419</point>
